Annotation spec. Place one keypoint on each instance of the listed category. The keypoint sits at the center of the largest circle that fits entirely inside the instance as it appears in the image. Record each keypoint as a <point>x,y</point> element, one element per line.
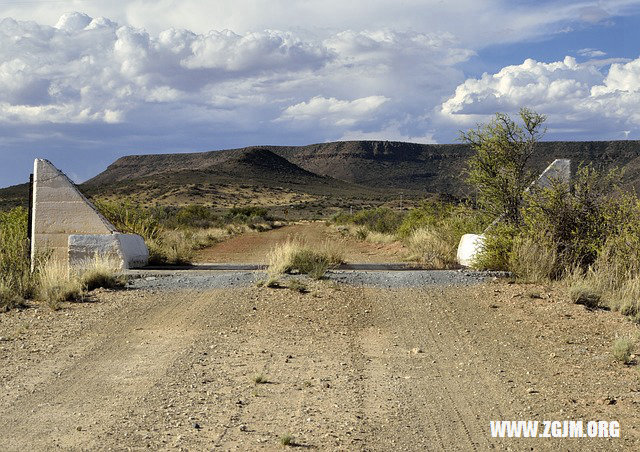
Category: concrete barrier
<point>59,211</point>
<point>469,247</point>
<point>125,250</point>
<point>558,171</point>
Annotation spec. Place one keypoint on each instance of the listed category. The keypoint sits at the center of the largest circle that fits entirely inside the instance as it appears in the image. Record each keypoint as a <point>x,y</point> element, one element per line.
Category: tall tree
<point>497,169</point>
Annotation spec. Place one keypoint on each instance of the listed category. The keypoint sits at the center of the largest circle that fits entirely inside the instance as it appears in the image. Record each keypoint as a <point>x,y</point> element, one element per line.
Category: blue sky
<point>85,82</point>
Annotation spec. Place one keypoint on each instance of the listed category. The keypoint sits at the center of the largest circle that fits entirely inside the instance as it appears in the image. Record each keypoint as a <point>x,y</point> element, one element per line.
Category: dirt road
<point>344,368</point>
<point>253,247</point>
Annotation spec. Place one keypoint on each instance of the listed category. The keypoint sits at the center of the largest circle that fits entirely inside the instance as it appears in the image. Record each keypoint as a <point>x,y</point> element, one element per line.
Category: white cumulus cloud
<point>583,98</point>
<point>338,112</point>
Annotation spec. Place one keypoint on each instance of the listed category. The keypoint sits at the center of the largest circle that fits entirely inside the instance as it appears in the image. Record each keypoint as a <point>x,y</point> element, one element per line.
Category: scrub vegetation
<point>174,234</point>
<point>431,231</point>
<point>584,234</point>
<point>294,257</point>
<point>16,281</point>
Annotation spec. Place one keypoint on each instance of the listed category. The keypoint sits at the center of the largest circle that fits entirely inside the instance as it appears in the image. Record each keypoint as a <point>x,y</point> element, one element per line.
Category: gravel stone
<point>362,278</point>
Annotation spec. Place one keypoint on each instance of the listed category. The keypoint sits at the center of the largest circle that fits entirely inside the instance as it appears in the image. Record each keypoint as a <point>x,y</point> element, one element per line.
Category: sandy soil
<point>253,247</point>
<point>141,369</point>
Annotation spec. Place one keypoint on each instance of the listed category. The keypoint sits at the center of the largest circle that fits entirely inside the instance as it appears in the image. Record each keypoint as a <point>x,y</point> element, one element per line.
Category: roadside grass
<point>431,249</point>
<point>293,256</point>
<point>431,231</point>
<point>174,234</point>
<point>101,272</point>
<point>57,284</point>
<point>531,261</point>
<point>51,282</point>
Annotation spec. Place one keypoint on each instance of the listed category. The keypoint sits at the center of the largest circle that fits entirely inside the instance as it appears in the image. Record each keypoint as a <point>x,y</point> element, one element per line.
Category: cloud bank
<point>89,70</point>
<point>154,77</point>
<point>581,98</point>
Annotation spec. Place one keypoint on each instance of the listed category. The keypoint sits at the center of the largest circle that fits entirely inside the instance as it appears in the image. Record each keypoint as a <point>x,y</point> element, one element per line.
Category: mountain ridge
<point>343,169</point>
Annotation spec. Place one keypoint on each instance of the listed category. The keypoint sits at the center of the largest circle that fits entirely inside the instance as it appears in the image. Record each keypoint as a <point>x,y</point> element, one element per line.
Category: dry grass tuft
<point>172,247</point>
<point>623,349</point>
<point>586,292</point>
<point>294,257</point>
<point>297,286</point>
<point>287,440</point>
<point>381,238</point>
<point>532,262</point>
<point>57,284</point>
<point>101,272</point>
<point>431,249</point>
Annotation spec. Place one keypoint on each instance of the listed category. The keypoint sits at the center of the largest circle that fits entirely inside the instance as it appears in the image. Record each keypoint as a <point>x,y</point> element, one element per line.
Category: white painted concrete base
<point>469,247</point>
<point>124,250</point>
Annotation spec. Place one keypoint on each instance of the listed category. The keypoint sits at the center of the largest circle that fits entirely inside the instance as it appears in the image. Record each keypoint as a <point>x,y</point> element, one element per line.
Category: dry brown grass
<point>294,256</point>
<point>431,249</point>
<point>381,238</point>
<point>101,271</point>
<point>56,283</point>
<point>532,262</point>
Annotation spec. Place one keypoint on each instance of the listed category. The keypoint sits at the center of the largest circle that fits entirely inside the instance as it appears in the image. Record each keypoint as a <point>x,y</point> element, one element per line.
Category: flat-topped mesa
<point>67,225</point>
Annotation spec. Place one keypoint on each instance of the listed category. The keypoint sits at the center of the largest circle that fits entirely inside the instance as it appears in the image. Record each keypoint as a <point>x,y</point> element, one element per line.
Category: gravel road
<point>202,279</point>
<point>340,368</point>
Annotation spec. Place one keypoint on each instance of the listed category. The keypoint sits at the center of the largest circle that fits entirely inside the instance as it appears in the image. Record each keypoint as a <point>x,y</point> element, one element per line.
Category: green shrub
<point>579,219</point>
<point>246,215</point>
<point>16,280</point>
<point>497,168</point>
<point>193,216</point>
<point>131,219</point>
<point>428,214</point>
<point>496,251</point>
<point>380,219</point>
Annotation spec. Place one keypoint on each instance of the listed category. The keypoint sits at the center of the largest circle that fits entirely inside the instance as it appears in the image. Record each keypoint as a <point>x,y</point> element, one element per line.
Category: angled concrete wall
<point>59,211</point>
<point>558,171</point>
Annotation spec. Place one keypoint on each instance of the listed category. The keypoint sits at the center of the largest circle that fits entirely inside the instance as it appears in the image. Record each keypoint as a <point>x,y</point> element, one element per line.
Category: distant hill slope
<point>345,170</point>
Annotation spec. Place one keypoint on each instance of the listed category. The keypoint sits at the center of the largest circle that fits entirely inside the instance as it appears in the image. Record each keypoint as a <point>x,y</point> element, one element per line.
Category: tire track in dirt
<point>175,370</point>
<point>434,411</point>
<point>130,353</point>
